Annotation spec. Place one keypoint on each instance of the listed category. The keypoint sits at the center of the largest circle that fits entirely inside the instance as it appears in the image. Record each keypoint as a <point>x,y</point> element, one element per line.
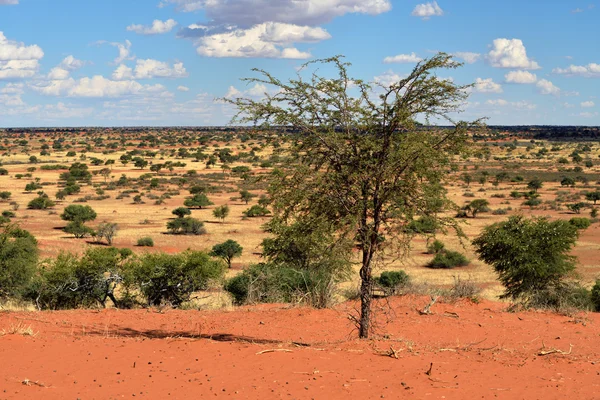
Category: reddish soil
<point>471,350</point>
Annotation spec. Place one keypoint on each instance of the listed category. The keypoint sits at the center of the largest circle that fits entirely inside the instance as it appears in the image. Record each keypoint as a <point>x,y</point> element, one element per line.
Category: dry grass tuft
<point>19,329</point>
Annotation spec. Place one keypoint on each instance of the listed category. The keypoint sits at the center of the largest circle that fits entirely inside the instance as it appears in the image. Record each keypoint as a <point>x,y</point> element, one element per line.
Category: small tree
<point>18,260</point>
<point>221,212</point>
<point>246,196</point>
<point>593,196</point>
<point>198,201</point>
<point>567,181</point>
<point>181,212</point>
<point>107,231</point>
<point>40,203</point>
<point>227,251</point>
<point>477,206</point>
<point>535,184</point>
<point>529,255</point>
<point>76,212</point>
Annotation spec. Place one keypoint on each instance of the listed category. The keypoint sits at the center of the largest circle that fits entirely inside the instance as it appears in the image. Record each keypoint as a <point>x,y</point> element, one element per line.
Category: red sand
<point>474,351</point>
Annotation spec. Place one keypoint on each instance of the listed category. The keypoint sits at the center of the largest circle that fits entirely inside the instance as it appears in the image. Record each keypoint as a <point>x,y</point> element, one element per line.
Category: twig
<point>27,382</point>
<point>555,351</point>
<point>426,310</point>
<point>428,373</point>
<point>274,350</point>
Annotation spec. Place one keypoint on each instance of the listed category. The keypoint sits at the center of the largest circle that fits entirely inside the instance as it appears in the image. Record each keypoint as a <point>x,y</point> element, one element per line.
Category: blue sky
<point>163,62</point>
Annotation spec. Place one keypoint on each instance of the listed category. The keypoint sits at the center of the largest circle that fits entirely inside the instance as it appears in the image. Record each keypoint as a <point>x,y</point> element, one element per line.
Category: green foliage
<point>78,229</point>
<point>172,278</point>
<point>18,260</point>
<point>5,195</point>
<point>181,212</point>
<point>577,207</point>
<point>435,247</point>
<point>567,181</point>
<point>199,200</point>
<point>529,255</point>
<point>145,241</point>
<point>595,295</point>
<point>593,196</point>
<point>448,259</point>
<point>580,223</point>
<point>246,196</point>
<point>40,203</point>
<point>70,281</point>
<point>227,251</point>
<point>186,226</point>
<point>424,225</point>
<point>79,213</point>
<point>535,184</point>
<point>221,212</point>
<point>477,206</point>
<point>393,281</point>
<point>256,211</point>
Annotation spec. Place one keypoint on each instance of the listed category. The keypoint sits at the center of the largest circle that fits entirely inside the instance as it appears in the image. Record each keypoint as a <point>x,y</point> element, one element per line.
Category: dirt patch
<point>462,351</point>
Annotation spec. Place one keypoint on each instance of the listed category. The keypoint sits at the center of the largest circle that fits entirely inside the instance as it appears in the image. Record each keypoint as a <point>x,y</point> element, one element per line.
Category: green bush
<point>271,283</point>
<point>448,259</point>
<point>172,278</point>
<point>423,225</point>
<point>18,260</point>
<point>70,281</point>
<point>595,295</point>
<point>186,226</point>
<point>563,297</point>
<point>435,247</point>
<point>40,203</point>
<point>580,223</point>
<point>393,281</point>
<point>256,211</point>
<point>145,241</point>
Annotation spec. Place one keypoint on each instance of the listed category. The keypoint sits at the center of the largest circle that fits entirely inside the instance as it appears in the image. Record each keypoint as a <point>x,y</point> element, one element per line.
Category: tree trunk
<point>365,303</point>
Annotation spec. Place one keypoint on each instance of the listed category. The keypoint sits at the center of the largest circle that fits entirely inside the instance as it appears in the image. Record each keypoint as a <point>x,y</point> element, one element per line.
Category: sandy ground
<point>471,351</point>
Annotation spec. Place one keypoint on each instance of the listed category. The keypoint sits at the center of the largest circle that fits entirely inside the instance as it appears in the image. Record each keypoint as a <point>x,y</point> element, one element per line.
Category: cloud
<point>124,51</point>
<point>468,57</point>
<point>518,105</point>
<point>522,77</point>
<point>8,2</point>
<point>510,53</point>
<point>158,27</point>
<point>268,40</point>
<point>183,88</point>
<point>591,70</point>
<point>18,69</point>
<point>148,69</point>
<point>388,78</point>
<point>487,86</point>
<point>247,13</point>
<point>587,104</point>
<point>546,87</point>
<point>17,60</point>
<point>258,91</point>
<point>585,114</point>
<point>64,69</point>
<point>96,86</point>
<point>427,10</point>
<point>403,58</point>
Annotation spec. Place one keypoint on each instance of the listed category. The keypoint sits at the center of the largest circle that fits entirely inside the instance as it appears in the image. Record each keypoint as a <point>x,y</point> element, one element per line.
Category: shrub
<point>75,212</point>
<point>423,225</point>
<point>186,226</point>
<point>256,211</point>
<point>393,281</point>
<point>435,247</point>
<point>145,241</point>
<point>18,260</point>
<point>172,278</point>
<point>529,255</point>
<point>271,283</point>
<point>564,297</point>
<point>227,251</point>
<point>595,295</point>
<point>40,203</point>
<point>500,211</point>
<point>448,259</point>
<point>72,282</point>
<point>580,223</point>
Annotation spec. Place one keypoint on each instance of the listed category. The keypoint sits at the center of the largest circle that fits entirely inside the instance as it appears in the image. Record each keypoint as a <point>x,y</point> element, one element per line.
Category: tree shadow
<point>165,334</point>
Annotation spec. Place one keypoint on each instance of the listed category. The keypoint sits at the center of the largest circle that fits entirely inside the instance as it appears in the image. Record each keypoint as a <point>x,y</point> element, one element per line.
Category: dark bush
<point>393,281</point>
<point>146,241</point>
<point>580,223</point>
<point>448,259</point>
<point>425,224</point>
<point>18,260</point>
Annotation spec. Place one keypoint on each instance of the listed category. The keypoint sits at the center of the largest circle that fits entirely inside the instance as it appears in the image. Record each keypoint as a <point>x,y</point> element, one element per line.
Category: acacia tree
<point>360,159</point>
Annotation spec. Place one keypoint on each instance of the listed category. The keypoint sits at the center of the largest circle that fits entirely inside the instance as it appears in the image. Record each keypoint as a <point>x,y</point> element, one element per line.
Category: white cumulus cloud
<point>510,53</point>
<point>403,58</point>
<point>183,88</point>
<point>269,40</point>
<point>546,87</point>
<point>427,10</point>
<point>158,27</point>
<point>487,86</point>
<point>64,69</point>
<point>587,104</point>
<point>523,77</point>
<point>8,2</point>
<point>468,57</point>
<point>591,70</point>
